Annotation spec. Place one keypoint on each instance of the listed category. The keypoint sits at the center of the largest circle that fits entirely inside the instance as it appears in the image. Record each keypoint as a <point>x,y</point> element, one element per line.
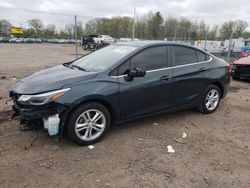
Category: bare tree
<point>240,27</point>
<point>202,30</point>
<point>213,33</point>
<point>36,24</point>
<point>5,27</point>
<point>234,28</point>
<point>69,29</point>
<point>50,31</point>
<point>184,27</point>
<point>171,25</point>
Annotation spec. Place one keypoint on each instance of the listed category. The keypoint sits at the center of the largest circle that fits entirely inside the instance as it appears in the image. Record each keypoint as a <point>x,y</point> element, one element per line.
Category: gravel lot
<point>215,153</point>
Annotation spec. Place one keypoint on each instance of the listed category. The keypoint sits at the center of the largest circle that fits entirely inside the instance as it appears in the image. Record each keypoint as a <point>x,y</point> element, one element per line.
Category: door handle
<point>202,69</point>
<point>165,78</point>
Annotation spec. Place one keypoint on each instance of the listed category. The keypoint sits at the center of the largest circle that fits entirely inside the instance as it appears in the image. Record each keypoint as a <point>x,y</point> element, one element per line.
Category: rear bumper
<point>225,82</point>
<point>225,90</point>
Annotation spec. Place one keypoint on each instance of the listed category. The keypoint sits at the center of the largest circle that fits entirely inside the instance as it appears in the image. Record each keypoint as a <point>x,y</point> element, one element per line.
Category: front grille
<point>243,70</point>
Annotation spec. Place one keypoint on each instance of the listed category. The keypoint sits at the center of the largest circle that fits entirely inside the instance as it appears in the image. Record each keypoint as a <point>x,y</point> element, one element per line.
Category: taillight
<point>228,66</point>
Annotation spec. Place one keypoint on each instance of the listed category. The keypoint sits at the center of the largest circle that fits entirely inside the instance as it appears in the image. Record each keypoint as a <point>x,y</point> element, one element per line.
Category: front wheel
<point>210,100</point>
<point>88,124</point>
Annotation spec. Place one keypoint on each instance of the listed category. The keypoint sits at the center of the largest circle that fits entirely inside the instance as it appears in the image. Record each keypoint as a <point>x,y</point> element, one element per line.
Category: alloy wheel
<point>212,99</point>
<point>90,125</point>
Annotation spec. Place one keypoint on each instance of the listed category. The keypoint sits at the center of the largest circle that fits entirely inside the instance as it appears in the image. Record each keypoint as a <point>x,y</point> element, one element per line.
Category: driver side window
<point>149,59</point>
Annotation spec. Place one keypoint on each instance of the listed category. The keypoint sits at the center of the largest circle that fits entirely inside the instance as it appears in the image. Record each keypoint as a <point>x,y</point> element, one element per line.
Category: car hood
<point>50,79</point>
<point>243,61</point>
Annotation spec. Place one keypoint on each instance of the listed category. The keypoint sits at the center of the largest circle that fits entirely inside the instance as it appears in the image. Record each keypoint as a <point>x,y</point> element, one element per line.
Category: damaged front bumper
<point>240,71</point>
<point>51,116</point>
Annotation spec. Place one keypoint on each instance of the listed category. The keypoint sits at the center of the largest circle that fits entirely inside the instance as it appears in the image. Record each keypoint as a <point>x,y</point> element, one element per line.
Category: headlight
<point>41,99</point>
<point>233,66</point>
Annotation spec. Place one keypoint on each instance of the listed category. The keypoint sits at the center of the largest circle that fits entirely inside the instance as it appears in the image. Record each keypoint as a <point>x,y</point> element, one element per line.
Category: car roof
<point>149,43</point>
<point>142,44</point>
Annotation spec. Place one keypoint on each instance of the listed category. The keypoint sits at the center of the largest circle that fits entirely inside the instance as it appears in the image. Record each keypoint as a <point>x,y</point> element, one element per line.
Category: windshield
<point>103,58</point>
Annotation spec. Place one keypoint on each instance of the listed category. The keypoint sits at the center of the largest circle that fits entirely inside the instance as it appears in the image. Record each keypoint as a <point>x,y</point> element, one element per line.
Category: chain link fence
<point>33,40</point>
<point>28,34</point>
<point>21,26</point>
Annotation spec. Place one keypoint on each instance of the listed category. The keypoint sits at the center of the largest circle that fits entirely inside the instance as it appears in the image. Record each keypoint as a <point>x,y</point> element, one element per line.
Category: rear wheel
<point>210,100</point>
<point>88,124</point>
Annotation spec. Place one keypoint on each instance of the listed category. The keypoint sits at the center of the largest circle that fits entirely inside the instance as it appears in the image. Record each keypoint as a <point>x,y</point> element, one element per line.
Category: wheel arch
<point>106,104</point>
<point>220,86</point>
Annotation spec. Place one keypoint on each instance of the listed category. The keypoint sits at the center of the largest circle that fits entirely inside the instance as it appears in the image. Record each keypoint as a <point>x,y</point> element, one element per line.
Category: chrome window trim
<point>155,70</point>
<point>121,76</point>
<point>193,63</point>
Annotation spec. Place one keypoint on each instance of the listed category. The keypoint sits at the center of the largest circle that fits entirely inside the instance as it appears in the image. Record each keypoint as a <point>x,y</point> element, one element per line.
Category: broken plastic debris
<point>179,141</point>
<point>51,123</point>
<point>156,124</point>
<point>170,149</point>
<point>140,139</point>
<point>184,135</point>
<point>91,147</point>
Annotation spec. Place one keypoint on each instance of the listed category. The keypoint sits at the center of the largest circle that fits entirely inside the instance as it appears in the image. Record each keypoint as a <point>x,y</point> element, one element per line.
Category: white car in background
<point>16,40</point>
<point>128,39</point>
<point>104,39</point>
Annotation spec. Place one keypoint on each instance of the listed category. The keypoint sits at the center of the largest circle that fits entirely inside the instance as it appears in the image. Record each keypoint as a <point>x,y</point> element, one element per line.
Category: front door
<point>151,93</point>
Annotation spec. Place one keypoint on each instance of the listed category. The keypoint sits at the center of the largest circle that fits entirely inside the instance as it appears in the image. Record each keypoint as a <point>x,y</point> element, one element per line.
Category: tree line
<point>148,26</point>
<point>37,29</point>
<point>154,26</point>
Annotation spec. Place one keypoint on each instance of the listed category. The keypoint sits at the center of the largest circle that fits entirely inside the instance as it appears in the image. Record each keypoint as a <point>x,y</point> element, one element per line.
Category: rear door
<point>191,74</point>
<point>148,94</point>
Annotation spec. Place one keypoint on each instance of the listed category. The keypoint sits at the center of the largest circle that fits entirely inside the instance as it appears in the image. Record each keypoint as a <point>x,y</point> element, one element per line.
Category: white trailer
<point>237,44</point>
<point>210,46</point>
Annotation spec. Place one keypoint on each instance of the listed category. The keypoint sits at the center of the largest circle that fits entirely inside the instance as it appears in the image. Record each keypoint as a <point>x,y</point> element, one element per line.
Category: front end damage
<point>240,71</point>
<point>51,116</point>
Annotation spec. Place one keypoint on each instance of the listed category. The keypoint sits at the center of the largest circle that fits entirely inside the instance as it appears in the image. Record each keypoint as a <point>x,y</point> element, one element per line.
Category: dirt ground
<point>215,153</point>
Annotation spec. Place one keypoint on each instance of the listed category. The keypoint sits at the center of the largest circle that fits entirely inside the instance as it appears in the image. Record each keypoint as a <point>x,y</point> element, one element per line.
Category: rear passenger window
<point>184,55</point>
<point>151,58</point>
<point>201,56</point>
<point>207,57</point>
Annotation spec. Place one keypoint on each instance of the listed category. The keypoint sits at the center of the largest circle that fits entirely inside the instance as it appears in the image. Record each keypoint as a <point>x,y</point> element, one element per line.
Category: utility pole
<point>175,32</point>
<point>133,28</point>
<point>229,47</point>
<point>205,46</point>
<point>76,37</point>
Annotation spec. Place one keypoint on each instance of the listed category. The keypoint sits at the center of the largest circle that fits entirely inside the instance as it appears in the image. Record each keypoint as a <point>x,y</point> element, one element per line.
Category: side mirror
<point>135,72</point>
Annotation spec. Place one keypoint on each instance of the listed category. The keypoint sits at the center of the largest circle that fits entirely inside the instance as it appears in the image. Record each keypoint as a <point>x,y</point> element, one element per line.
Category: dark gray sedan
<point>118,83</point>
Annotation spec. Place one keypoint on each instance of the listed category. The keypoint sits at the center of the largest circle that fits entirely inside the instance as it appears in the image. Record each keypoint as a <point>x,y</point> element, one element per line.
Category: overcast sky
<point>211,11</point>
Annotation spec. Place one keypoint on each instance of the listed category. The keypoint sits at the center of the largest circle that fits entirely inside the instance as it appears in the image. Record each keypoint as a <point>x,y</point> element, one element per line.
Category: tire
<point>82,128</point>
<point>204,107</point>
